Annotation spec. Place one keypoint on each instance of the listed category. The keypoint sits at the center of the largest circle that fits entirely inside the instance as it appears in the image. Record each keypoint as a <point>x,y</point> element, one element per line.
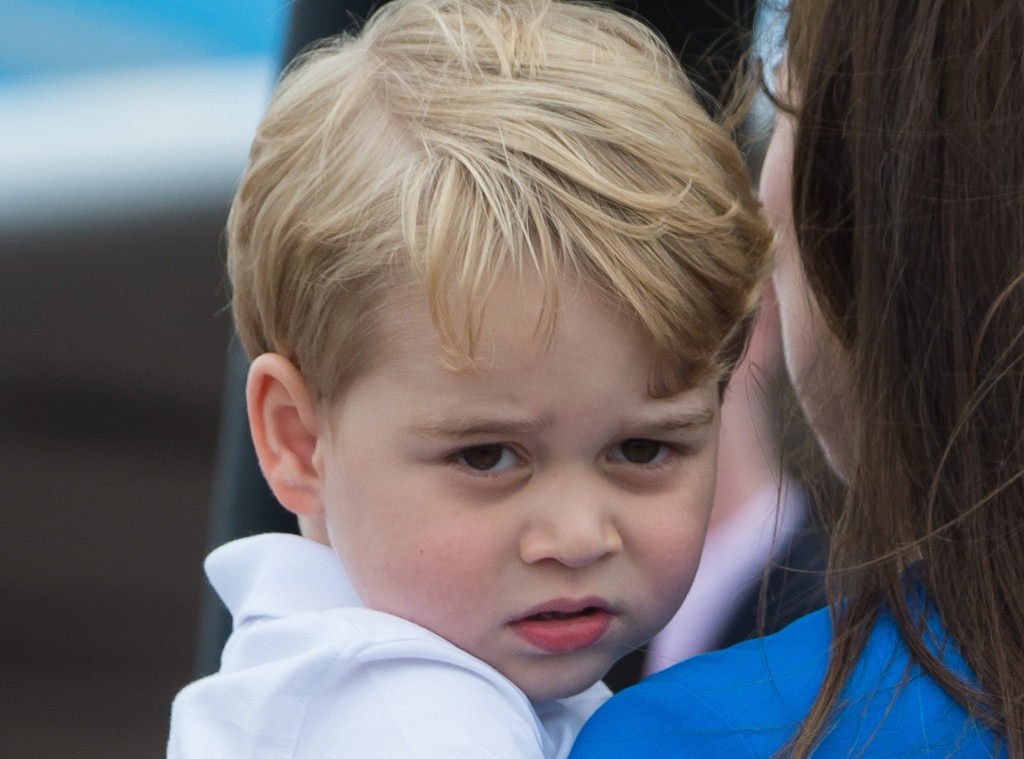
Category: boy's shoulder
<point>308,671</point>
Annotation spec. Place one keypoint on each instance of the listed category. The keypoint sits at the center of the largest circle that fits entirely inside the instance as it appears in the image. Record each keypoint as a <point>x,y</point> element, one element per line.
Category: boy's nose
<point>575,530</point>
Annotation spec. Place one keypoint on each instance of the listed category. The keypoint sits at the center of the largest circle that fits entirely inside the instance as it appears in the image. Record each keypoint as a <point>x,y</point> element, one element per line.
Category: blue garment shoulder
<point>748,701</point>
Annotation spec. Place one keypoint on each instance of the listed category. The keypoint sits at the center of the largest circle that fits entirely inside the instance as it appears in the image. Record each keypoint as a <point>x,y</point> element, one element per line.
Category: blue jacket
<point>748,700</point>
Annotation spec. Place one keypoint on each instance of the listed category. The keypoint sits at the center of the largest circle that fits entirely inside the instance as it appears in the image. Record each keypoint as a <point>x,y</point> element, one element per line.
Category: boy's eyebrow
<point>700,417</point>
<point>470,427</point>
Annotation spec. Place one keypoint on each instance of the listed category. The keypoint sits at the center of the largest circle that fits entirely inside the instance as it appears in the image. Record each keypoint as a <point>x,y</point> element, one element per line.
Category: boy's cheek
<point>674,560</point>
<point>413,575</point>
<point>668,552</point>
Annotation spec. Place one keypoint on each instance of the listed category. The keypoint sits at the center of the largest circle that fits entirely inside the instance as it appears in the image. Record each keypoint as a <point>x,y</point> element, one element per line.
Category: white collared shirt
<point>310,672</point>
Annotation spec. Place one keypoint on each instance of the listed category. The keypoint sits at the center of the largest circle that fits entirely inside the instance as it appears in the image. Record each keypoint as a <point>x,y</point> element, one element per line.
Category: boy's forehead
<point>470,321</point>
<point>597,349</point>
<point>513,328</point>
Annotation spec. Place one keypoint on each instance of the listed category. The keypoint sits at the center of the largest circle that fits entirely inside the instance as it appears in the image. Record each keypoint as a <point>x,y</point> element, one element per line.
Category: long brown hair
<point>908,197</point>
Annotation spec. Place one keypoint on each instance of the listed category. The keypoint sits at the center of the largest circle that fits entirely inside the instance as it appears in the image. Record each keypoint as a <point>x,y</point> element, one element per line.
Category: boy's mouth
<point>564,627</point>
<point>546,616</point>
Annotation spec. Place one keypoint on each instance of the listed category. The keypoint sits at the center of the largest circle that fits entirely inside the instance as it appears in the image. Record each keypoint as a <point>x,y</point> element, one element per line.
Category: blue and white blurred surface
<point>108,107</point>
<point>124,125</point>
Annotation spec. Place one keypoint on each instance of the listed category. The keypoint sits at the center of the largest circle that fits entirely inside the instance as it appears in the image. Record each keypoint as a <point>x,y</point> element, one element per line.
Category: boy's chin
<point>549,684</point>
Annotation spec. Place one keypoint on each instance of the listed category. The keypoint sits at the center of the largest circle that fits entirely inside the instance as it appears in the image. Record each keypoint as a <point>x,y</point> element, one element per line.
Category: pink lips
<point>563,627</point>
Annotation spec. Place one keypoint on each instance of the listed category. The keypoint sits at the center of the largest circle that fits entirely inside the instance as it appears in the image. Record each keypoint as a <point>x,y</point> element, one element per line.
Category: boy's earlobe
<point>286,429</point>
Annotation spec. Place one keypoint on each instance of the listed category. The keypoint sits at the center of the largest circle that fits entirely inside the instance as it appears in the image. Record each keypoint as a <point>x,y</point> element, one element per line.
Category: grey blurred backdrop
<point>123,127</point>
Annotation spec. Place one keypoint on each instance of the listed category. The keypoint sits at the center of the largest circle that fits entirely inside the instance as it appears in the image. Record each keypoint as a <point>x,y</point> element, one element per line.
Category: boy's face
<point>542,512</point>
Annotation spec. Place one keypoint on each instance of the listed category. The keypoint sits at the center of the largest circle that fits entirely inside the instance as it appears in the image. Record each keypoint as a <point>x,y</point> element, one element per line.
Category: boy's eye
<point>488,458</point>
<point>641,451</point>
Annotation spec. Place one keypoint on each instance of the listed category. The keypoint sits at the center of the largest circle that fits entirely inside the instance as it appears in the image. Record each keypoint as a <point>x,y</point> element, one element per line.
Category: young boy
<point>494,265</point>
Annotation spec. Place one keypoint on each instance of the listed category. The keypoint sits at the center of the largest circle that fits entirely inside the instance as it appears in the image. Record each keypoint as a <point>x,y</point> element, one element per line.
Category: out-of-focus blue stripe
<point>41,38</point>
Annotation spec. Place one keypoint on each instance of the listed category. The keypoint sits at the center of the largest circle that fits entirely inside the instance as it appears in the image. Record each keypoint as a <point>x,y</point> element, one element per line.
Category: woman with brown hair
<point>896,180</point>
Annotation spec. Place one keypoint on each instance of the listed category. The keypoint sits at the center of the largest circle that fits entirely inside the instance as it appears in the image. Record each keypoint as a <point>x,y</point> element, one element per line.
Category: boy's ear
<point>286,429</point>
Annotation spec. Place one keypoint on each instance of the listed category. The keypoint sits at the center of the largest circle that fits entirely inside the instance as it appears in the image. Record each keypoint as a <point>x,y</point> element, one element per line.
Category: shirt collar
<point>277,575</point>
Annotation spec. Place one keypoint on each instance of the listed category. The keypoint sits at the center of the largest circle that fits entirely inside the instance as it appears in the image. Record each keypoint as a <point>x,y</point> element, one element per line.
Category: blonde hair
<point>452,141</point>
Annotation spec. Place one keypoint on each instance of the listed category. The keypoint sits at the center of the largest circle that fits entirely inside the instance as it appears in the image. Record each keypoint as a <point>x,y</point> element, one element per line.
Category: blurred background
<point>124,125</point>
